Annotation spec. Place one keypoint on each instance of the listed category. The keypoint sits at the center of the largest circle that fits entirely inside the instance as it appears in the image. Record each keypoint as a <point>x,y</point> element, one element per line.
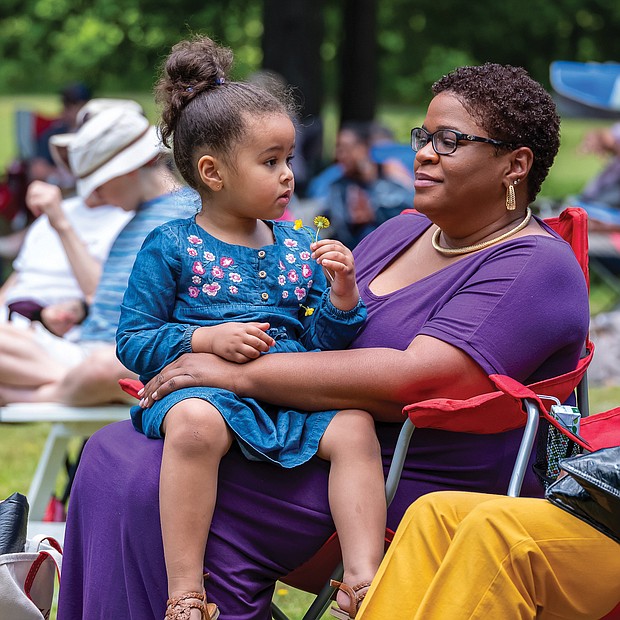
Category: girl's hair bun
<point>192,67</point>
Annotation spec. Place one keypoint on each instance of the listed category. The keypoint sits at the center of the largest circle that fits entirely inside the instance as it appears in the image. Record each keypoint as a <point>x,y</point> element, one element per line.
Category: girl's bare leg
<point>196,439</point>
<point>356,494</point>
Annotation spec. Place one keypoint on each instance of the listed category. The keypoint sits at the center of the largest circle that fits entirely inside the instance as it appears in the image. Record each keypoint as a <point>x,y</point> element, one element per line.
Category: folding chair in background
<point>512,406</point>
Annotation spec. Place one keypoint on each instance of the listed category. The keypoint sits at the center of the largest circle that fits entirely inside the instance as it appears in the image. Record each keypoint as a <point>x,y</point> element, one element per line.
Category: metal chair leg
<point>525,449</point>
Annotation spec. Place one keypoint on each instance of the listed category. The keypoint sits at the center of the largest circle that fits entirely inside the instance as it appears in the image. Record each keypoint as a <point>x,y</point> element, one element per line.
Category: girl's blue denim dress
<point>184,278</point>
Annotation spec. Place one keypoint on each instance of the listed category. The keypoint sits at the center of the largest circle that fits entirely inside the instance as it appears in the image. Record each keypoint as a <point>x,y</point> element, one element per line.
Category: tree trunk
<point>292,37</point>
<point>358,61</point>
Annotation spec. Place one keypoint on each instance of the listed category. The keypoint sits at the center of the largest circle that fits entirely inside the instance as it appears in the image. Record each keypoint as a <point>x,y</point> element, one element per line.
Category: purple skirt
<point>268,520</point>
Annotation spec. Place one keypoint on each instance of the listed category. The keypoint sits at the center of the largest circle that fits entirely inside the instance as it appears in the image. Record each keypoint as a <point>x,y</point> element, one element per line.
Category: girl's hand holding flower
<point>337,259</point>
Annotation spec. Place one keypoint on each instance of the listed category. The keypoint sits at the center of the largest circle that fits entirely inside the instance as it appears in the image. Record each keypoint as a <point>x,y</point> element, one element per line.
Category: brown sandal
<point>179,607</point>
<point>354,598</point>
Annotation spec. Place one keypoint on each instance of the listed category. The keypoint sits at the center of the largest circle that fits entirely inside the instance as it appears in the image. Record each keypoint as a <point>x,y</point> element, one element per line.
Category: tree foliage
<point>117,46</point>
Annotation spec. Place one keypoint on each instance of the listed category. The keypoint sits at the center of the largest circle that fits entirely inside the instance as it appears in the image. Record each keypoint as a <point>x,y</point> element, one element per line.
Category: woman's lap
<point>268,520</point>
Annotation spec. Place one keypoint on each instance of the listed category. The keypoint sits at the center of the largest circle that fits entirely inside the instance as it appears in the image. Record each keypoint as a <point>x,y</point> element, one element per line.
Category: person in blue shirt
<point>233,282</point>
<point>117,159</point>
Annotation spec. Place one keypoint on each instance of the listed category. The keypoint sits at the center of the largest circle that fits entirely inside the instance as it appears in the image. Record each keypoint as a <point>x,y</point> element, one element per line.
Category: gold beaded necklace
<point>479,246</point>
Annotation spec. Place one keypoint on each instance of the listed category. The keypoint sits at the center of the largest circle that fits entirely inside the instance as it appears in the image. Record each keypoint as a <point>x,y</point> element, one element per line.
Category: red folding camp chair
<point>511,406</point>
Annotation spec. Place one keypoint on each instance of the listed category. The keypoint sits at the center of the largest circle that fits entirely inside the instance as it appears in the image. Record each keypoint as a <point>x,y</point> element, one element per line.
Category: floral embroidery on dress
<point>198,268</point>
<point>211,289</point>
<point>295,270</point>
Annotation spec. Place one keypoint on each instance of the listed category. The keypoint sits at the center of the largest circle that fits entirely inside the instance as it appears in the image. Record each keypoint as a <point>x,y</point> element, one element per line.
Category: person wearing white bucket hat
<point>117,159</point>
<point>74,238</point>
<point>120,142</point>
<point>58,143</point>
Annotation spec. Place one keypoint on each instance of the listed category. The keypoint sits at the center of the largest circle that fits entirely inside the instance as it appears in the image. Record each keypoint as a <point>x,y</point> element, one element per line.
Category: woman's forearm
<point>381,381</point>
<point>329,380</point>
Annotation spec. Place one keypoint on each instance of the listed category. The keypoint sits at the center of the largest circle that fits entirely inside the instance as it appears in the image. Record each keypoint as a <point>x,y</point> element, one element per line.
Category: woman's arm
<point>381,381</point>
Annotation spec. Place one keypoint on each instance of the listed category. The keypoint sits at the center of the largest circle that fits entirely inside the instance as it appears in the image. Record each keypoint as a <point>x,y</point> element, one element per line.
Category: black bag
<point>591,490</point>
<point>13,523</point>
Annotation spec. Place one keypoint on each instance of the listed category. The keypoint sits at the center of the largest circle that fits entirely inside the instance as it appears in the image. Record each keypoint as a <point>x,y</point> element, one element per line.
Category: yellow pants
<point>463,555</point>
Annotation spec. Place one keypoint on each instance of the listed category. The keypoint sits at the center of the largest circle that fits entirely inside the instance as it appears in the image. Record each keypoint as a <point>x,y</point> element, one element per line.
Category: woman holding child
<point>470,284</point>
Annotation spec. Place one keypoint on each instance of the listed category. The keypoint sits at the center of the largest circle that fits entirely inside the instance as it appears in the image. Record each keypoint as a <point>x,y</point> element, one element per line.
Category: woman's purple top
<point>518,308</point>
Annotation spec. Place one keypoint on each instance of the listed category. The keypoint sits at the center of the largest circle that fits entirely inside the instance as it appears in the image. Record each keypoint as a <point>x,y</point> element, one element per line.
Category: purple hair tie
<point>189,89</point>
<point>219,81</point>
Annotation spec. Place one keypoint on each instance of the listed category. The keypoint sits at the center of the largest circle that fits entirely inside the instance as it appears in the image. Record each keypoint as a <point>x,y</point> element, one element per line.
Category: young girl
<point>232,282</point>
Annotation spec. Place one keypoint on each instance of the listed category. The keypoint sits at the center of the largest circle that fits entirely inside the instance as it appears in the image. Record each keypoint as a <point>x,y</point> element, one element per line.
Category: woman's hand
<point>337,260</point>
<point>190,370</point>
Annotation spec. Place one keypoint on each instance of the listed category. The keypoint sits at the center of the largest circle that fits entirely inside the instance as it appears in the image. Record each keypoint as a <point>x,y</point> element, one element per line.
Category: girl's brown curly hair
<point>201,109</point>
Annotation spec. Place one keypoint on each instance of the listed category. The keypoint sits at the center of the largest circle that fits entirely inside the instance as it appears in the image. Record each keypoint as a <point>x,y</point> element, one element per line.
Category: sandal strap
<point>352,592</point>
<point>179,607</point>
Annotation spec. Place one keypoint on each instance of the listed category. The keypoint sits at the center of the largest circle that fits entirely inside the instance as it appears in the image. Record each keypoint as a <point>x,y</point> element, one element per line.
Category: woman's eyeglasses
<point>445,141</point>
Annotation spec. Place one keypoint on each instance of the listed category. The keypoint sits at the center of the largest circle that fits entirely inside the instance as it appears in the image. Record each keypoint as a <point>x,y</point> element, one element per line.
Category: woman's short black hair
<point>510,106</point>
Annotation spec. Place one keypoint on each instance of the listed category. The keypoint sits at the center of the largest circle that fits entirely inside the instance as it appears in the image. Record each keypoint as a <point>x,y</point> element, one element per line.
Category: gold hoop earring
<point>511,199</point>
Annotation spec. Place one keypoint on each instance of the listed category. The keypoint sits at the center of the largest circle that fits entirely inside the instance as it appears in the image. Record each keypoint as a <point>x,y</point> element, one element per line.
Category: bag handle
<point>36,565</point>
<point>39,539</point>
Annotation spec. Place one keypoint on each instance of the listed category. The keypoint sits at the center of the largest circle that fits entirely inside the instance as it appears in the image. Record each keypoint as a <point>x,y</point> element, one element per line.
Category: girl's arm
<point>147,339</point>
<point>381,381</point>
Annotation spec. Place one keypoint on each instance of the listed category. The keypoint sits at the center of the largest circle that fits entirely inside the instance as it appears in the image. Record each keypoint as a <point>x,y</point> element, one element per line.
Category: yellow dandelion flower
<point>320,221</point>
<point>298,224</point>
<point>308,311</point>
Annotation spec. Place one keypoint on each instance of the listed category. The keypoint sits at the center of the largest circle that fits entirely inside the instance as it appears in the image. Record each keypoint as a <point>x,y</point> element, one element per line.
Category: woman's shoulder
<point>543,246</point>
<point>545,262</point>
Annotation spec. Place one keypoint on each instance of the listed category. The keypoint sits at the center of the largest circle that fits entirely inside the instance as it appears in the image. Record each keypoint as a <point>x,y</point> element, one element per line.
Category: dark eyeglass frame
<point>430,137</point>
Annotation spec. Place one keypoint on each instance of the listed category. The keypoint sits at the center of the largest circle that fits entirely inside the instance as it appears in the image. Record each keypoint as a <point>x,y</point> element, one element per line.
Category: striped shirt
<point>102,320</point>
